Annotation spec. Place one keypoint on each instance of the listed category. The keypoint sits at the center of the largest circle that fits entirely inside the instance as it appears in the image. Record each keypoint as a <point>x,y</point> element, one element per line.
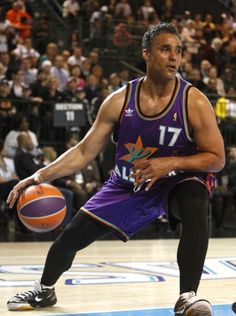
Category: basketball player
<point>168,146</point>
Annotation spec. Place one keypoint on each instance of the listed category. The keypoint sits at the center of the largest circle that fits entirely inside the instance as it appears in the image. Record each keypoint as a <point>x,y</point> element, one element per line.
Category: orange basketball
<point>41,208</point>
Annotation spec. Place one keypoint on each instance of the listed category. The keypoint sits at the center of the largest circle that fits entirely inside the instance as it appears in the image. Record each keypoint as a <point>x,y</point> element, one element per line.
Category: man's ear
<point>145,54</point>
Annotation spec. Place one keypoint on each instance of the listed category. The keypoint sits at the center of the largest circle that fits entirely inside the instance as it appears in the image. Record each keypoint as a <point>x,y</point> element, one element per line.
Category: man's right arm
<point>80,155</point>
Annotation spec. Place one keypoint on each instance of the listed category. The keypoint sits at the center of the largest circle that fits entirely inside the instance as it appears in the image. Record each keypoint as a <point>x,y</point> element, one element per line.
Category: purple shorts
<point>117,206</point>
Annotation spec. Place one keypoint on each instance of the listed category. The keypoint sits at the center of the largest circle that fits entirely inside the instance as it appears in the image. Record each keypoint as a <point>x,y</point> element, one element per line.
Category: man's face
<point>164,57</point>
<point>4,89</point>
<point>27,143</point>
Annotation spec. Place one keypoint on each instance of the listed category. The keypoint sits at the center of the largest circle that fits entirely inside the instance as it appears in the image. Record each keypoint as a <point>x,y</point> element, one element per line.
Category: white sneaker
<point>189,304</point>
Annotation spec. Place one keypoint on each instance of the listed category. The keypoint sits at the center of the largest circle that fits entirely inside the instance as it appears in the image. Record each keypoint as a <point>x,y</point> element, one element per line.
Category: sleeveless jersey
<point>143,137</point>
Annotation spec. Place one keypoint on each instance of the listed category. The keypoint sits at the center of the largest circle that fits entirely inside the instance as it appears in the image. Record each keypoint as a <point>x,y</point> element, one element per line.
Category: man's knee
<point>189,201</point>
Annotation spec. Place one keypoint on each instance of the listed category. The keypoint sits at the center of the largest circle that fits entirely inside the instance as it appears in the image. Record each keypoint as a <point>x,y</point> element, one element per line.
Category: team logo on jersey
<point>175,116</point>
<point>129,112</point>
<point>137,151</point>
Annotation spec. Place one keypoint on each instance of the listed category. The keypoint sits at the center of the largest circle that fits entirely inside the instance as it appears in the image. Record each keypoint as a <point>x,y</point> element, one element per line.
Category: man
<point>21,124</point>
<point>168,143</point>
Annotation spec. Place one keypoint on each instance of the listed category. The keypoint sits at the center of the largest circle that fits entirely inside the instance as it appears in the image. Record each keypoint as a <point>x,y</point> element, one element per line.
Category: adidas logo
<point>129,112</point>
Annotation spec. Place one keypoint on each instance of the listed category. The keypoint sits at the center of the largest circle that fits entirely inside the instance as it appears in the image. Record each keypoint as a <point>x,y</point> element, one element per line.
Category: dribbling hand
<point>20,186</point>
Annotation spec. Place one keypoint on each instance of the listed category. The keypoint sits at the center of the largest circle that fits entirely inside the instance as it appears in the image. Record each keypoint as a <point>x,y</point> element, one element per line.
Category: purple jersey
<point>143,137</point>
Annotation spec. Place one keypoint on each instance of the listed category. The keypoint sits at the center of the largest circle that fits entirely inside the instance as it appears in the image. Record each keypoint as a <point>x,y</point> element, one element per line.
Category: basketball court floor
<point>112,278</point>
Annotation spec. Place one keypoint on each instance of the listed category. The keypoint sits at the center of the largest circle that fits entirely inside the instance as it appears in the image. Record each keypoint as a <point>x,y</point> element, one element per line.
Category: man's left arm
<point>205,132</point>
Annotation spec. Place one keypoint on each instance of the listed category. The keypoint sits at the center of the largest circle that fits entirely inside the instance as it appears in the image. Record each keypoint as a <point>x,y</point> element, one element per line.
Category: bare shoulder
<point>200,110</point>
<point>198,101</point>
<point>112,105</point>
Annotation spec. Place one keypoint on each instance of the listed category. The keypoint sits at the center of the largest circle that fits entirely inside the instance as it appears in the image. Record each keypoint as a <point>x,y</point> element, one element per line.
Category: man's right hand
<point>20,186</point>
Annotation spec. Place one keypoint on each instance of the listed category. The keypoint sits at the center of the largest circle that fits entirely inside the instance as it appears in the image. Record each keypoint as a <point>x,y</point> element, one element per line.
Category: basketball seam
<point>40,198</point>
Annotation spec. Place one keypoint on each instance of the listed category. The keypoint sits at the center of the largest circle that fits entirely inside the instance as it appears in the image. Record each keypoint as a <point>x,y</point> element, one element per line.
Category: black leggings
<point>80,233</point>
<point>189,203</point>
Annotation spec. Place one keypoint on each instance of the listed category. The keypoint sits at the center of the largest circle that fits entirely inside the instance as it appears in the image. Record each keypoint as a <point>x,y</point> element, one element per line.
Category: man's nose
<point>172,55</point>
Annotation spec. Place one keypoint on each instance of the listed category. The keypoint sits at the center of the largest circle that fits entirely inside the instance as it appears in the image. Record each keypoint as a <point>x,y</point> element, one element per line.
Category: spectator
<point>147,10</point>
<point>59,71</point>
<point>198,21</point>
<point>91,87</point>
<point>208,27</point>
<point>28,70</point>
<point>90,6</point>
<point>188,34</point>
<point>66,54</point>
<point>205,67</point>
<point>123,10</point>
<point>124,76</point>
<point>4,32</point>
<point>114,82</point>
<point>94,58</point>
<point>187,68</point>
<point>8,64</point>
<point>52,95</point>
<point>46,67</point>
<point>8,177</point>
<point>82,98</point>
<point>77,58</point>
<point>70,13</point>
<point>7,109</point>
<point>71,90</point>
<point>99,26</point>
<point>42,34</point>
<point>2,72</point>
<point>212,53</point>
<point>38,87</point>
<point>167,10</point>
<point>122,39</point>
<point>50,54</point>
<point>199,44</point>
<point>19,20</point>
<point>85,67</point>
<point>194,76</point>
<point>213,83</point>
<point>229,78</point>
<point>98,71</point>
<point>77,74</point>
<point>26,6</point>
<point>52,90</point>
<point>26,50</point>
<point>96,34</point>
<point>111,7</point>
<point>187,57</point>
<point>21,124</point>
<point>229,53</point>
<point>16,84</point>
<point>23,159</point>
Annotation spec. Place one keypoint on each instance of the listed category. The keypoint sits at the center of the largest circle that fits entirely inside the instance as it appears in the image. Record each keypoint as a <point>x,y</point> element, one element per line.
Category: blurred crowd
<point>36,72</point>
